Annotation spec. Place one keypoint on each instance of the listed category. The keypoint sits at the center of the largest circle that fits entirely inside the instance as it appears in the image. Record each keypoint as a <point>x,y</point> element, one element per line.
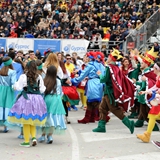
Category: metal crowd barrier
<point>139,37</point>
<point>106,46</point>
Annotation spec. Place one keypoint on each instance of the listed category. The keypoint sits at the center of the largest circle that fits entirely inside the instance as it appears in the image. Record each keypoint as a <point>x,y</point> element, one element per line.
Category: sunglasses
<point>68,58</point>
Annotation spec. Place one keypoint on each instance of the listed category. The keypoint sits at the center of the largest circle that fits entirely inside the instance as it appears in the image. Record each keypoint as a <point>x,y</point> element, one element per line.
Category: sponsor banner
<point>75,45</point>
<point>24,44</point>
<point>3,43</point>
<point>43,44</point>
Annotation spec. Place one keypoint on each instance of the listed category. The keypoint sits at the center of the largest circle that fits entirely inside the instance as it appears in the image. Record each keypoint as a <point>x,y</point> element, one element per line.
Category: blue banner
<point>43,44</point>
<point>3,43</point>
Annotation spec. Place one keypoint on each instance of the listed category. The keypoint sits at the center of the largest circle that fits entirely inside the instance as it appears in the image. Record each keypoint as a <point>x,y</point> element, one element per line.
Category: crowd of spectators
<point>94,20</point>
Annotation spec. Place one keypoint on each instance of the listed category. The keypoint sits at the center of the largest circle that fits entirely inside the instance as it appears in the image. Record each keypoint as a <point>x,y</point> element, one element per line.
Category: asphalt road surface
<point>80,143</point>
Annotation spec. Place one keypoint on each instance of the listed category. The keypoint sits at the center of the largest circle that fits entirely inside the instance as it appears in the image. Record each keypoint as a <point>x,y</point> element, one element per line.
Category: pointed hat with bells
<point>151,54</point>
<point>147,60</point>
<point>115,55</point>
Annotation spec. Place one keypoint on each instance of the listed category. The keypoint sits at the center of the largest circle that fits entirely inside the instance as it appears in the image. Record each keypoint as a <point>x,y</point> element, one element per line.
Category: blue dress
<point>94,89</point>
<point>6,94</point>
<point>55,111</point>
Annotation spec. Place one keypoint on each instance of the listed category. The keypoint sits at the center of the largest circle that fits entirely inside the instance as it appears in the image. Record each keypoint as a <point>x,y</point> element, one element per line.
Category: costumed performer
<point>30,109</point>
<point>116,94</point>
<point>52,59</point>
<point>55,111</point>
<point>94,89</point>
<point>70,94</point>
<point>7,79</point>
<point>154,113</point>
<point>147,80</point>
<point>131,69</point>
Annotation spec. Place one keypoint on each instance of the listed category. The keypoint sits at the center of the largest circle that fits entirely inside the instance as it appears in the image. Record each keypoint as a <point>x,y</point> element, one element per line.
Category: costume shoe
<point>133,115</point>
<point>20,136</point>
<point>129,124</point>
<point>86,118</point>
<point>107,118</point>
<point>144,137</point>
<point>34,141</point>
<point>24,144</point>
<point>41,139</point>
<point>139,123</point>
<point>156,128</point>
<point>101,127</point>
<point>94,115</point>
<point>49,140</point>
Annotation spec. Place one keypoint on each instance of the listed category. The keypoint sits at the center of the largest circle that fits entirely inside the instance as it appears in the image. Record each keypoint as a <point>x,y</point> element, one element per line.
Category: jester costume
<point>145,85</point>
<point>116,94</point>
<point>154,113</point>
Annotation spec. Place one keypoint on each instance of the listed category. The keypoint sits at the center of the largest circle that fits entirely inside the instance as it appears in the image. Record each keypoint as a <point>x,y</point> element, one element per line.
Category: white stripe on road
<point>75,145</point>
<point>111,134</point>
<point>146,156</point>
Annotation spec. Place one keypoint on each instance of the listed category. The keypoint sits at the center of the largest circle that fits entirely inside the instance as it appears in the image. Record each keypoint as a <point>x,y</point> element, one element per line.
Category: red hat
<point>91,54</point>
<point>100,55</point>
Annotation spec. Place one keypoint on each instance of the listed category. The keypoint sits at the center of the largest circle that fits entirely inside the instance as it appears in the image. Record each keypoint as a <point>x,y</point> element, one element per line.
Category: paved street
<point>80,143</point>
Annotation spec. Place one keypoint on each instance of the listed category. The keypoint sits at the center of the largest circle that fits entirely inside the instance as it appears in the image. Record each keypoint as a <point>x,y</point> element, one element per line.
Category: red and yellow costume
<point>154,113</point>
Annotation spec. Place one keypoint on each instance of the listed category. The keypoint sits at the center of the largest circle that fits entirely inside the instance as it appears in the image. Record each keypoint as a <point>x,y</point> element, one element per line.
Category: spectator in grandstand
<point>97,41</point>
<point>13,34</point>
<point>156,47</point>
<point>81,19</point>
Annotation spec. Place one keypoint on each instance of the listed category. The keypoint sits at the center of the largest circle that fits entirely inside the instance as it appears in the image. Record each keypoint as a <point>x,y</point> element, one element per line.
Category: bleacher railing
<point>143,34</point>
<point>107,46</point>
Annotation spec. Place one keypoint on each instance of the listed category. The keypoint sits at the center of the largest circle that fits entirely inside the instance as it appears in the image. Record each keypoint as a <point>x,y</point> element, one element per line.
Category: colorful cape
<point>123,88</point>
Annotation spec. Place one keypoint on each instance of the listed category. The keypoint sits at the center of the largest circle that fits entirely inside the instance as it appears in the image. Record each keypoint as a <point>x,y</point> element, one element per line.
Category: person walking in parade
<point>30,109</point>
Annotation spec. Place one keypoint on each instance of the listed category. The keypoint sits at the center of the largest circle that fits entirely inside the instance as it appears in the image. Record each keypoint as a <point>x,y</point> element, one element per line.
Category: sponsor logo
<point>18,46</point>
<point>73,48</point>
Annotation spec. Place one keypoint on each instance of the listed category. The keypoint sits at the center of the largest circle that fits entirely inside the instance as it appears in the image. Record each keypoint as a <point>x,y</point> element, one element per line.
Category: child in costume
<point>70,94</point>
<point>52,59</point>
<point>154,113</point>
<point>116,94</point>
<point>55,119</point>
<point>94,89</point>
<point>131,70</point>
<point>40,72</point>
<point>147,80</point>
<point>7,79</point>
<point>30,109</point>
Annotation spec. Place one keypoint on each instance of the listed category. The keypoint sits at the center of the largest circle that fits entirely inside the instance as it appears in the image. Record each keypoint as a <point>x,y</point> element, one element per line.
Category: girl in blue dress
<point>7,79</point>
<point>55,111</point>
